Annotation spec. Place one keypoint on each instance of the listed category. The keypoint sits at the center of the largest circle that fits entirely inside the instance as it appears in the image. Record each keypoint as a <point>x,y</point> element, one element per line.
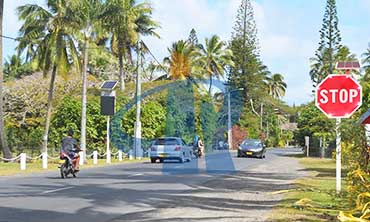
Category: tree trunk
<point>6,151</point>
<point>210,86</point>
<point>121,76</point>
<point>48,113</point>
<point>84,99</point>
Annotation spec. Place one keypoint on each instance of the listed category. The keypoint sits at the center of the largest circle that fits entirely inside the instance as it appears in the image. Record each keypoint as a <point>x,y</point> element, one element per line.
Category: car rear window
<point>166,142</point>
<point>252,143</point>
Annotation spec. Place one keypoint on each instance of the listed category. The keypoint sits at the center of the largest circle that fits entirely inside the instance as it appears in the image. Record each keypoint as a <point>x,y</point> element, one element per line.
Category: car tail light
<point>178,148</point>
<point>153,149</point>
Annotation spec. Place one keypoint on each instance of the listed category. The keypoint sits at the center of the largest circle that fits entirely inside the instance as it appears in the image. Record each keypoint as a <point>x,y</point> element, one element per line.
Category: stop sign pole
<point>338,96</point>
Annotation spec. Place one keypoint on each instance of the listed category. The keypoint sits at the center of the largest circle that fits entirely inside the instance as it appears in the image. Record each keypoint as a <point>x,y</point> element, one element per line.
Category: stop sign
<point>338,96</point>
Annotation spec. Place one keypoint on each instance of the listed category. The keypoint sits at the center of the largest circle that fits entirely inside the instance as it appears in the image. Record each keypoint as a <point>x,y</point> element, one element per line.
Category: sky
<point>288,31</point>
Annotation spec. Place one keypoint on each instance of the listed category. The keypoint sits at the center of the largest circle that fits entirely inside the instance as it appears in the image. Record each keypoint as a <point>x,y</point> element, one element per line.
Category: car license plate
<point>249,153</point>
<point>162,155</point>
<point>62,161</point>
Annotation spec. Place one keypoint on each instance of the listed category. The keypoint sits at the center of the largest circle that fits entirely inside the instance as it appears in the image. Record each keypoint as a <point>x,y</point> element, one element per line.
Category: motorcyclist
<point>200,147</point>
<point>71,148</point>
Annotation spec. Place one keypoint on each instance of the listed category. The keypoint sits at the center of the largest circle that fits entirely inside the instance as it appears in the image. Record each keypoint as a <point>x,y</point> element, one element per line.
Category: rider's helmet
<point>70,132</point>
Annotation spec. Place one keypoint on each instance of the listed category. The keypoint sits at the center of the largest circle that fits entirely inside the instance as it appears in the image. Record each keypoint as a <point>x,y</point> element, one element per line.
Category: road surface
<point>223,188</point>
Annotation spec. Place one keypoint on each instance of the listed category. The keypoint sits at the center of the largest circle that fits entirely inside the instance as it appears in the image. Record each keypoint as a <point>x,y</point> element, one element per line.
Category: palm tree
<point>216,57</point>
<point>182,60</point>
<point>86,14</point>
<point>126,20</point>
<point>276,86</point>
<point>4,145</point>
<point>48,33</point>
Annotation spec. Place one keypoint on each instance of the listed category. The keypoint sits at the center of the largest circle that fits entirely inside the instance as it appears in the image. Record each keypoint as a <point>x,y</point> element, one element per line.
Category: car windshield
<point>166,141</point>
<point>252,143</point>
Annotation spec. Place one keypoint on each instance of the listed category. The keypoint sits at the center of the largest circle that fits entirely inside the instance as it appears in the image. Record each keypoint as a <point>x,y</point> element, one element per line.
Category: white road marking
<point>136,175</point>
<point>56,190</point>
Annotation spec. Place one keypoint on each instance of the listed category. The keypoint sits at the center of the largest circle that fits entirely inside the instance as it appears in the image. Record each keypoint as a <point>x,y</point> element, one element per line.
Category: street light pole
<point>137,147</point>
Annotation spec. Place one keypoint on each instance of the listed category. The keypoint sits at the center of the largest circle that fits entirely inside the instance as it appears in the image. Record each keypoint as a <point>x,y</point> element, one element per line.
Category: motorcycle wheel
<point>62,174</point>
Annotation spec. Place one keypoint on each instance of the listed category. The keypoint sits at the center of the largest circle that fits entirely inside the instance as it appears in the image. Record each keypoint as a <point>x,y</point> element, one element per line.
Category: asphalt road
<point>218,188</point>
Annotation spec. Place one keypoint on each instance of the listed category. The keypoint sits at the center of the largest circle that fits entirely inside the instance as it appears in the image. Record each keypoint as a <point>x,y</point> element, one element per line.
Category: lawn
<point>314,198</point>
<point>8,169</point>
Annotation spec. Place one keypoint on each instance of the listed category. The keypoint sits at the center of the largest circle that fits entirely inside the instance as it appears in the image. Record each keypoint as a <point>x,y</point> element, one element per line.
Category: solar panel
<point>109,85</point>
<point>348,65</point>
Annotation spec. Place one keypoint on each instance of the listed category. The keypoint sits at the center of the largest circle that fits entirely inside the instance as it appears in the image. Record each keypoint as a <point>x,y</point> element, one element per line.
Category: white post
<point>130,155</point>
<point>82,158</point>
<point>23,161</point>
<point>108,141</point>
<point>229,130</point>
<point>338,155</point>
<point>138,152</point>
<point>119,155</point>
<point>307,142</point>
<point>44,157</point>
<point>95,157</point>
<point>109,158</point>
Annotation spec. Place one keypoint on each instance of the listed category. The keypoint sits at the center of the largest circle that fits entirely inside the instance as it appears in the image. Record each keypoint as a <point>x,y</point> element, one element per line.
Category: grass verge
<point>314,199</point>
<point>9,169</point>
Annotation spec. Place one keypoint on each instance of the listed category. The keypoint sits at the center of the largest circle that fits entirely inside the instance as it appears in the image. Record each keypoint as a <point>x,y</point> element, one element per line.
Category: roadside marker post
<point>339,96</point>
<point>95,157</point>
<point>23,157</point>
<point>44,157</point>
<point>120,155</point>
<point>307,143</point>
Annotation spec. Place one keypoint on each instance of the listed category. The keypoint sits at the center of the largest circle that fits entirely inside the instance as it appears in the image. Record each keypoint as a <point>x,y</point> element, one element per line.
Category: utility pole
<point>229,130</point>
<point>137,148</point>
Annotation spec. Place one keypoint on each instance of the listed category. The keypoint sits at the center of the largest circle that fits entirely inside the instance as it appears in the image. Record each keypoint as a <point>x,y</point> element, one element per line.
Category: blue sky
<point>288,31</point>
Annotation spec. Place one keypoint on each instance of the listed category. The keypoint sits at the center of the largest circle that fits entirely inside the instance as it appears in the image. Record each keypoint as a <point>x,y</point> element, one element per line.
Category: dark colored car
<point>252,148</point>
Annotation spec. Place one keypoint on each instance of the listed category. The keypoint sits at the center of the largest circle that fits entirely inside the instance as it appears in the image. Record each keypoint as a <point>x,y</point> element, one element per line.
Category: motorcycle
<point>197,152</point>
<point>66,165</point>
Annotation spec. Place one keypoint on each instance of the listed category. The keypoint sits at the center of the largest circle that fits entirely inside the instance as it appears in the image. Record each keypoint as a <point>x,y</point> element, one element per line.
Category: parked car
<point>252,148</point>
<point>170,148</point>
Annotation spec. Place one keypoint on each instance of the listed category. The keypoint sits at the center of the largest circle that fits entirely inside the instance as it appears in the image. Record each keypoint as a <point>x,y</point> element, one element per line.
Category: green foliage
<point>46,35</point>
<point>276,85</point>
<point>208,121</point>
<point>153,120</point>
<point>215,58</point>
<point>312,122</point>
<point>14,68</point>
<point>68,116</point>
<point>180,116</point>
<point>251,122</point>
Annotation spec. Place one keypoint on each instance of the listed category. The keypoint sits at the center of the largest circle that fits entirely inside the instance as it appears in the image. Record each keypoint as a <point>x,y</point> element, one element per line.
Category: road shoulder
<point>244,196</point>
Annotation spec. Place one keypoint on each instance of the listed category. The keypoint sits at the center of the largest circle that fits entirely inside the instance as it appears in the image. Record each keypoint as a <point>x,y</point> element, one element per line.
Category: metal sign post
<point>108,139</point>
<point>338,155</point>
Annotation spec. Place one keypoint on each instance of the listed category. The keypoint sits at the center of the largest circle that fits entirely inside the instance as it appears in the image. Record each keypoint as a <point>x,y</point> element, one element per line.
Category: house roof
<point>365,118</point>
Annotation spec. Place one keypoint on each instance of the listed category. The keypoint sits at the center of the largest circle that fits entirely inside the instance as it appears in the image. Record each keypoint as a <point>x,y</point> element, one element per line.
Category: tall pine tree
<point>330,44</point>
<point>193,38</point>
<point>249,72</point>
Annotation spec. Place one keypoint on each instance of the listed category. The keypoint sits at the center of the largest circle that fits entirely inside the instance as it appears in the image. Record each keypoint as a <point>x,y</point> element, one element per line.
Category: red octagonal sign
<point>339,96</point>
